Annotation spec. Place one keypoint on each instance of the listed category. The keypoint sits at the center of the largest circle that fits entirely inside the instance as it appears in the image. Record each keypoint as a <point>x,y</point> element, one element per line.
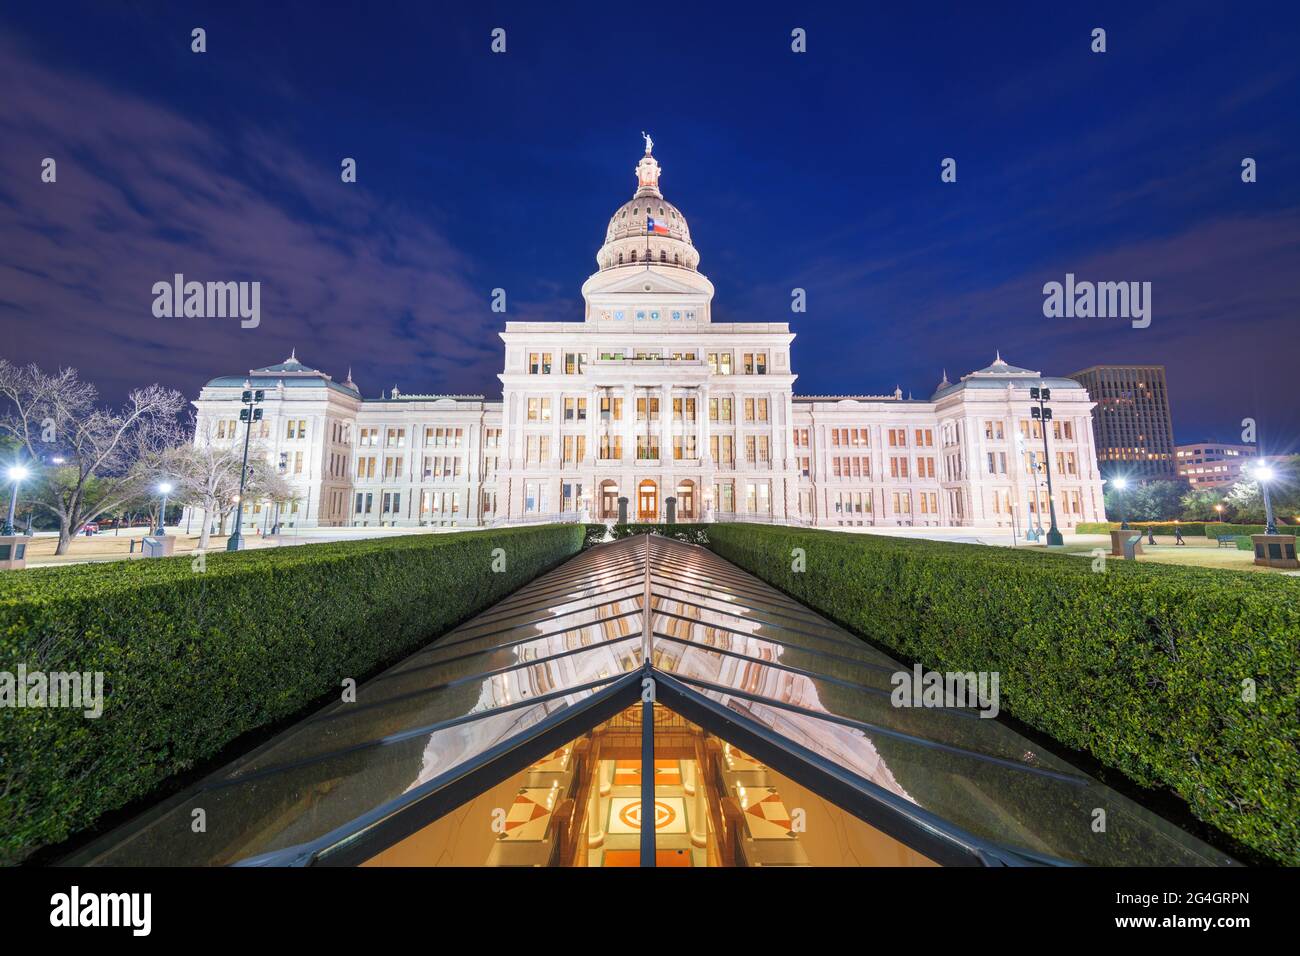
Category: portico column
<point>629,422</point>
<point>667,428</point>
<point>702,423</point>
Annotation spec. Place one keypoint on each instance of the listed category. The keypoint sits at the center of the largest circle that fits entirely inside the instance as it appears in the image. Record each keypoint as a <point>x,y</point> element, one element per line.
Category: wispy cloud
<point>144,192</point>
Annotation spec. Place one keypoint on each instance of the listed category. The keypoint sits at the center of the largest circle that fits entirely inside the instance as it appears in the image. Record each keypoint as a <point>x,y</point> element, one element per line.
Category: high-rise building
<point>1132,429</point>
<point>1211,464</point>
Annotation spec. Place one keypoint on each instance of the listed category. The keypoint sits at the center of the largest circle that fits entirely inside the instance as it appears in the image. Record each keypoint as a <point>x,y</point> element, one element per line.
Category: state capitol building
<point>648,398</point>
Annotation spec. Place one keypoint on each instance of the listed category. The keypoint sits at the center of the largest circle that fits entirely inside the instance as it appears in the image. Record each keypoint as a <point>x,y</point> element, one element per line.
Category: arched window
<point>663,256</point>
<point>634,255</point>
<point>620,258</point>
<point>676,259</point>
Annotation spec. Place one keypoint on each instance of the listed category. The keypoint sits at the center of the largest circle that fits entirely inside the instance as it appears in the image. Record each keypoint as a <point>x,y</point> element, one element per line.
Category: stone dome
<point>628,239</point>
<point>629,220</point>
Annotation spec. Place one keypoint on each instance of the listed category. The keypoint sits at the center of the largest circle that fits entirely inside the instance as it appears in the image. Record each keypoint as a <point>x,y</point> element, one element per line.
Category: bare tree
<point>207,477</point>
<point>108,455</point>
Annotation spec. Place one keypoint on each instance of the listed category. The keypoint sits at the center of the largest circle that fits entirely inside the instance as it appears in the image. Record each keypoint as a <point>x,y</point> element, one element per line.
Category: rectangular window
<point>570,496</point>
<point>611,447</point>
<point>724,497</point>
<point>647,447</point>
<point>575,449</point>
<point>539,363</point>
<point>722,449</point>
<point>611,409</point>
<point>574,363</point>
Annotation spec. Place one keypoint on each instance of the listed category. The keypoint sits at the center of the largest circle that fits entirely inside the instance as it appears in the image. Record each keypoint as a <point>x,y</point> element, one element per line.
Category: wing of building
<point>648,399</point>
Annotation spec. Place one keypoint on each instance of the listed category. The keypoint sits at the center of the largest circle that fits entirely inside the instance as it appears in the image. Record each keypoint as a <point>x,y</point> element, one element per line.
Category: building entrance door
<point>608,500</point>
<point>647,501</point>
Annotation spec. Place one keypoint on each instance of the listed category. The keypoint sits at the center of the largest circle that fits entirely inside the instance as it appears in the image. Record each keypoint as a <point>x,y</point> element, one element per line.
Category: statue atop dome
<point>647,171</point>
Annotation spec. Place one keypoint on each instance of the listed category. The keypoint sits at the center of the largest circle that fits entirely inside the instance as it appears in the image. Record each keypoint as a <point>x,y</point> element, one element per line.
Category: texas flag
<point>656,227</point>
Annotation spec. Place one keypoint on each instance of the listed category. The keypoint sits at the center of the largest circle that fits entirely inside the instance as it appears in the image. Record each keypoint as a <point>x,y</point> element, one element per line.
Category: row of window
<point>539,409</point>
<point>434,466</point>
<point>720,363</point>
<point>1030,428</point>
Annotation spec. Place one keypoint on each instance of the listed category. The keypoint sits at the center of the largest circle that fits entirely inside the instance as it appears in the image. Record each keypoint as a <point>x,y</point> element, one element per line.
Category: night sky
<point>819,171</point>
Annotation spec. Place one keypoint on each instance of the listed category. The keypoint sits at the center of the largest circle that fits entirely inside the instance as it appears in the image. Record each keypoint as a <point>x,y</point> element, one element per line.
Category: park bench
<point>1227,540</point>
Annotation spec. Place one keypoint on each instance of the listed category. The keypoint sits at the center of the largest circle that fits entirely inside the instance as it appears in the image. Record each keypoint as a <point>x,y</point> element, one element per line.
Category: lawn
<point>1199,552</point>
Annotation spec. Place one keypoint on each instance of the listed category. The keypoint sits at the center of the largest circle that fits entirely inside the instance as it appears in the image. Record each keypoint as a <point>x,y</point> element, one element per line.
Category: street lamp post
<point>165,488</point>
<point>16,474</point>
<point>1120,484</point>
<point>1044,415</point>
<point>249,414</point>
<point>1263,474</point>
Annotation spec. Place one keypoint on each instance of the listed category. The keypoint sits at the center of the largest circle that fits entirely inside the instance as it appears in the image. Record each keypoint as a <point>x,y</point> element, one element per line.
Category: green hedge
<point>1161,527</point>
<point>690,533</point>
<point>1141,666</point>
<point>1214,530</point>
<point>193,660</point>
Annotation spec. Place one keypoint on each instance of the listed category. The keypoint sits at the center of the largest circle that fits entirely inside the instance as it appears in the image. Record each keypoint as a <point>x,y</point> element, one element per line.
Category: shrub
<point>194,660</point>
<point>1214,530</point>
<point>1161,527</point>
<point>1141,666</point>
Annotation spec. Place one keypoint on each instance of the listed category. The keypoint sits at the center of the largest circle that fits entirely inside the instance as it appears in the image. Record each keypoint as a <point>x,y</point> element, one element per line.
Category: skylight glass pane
<point>1036,813</point>
<point>260,814</point>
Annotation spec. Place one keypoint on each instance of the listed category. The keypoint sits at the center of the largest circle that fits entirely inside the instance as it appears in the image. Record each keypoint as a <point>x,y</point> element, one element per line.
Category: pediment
<point>643,282</point>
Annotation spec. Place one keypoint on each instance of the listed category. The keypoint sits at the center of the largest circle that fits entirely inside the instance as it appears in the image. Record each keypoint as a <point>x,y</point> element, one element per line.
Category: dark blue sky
<point>818,170</point>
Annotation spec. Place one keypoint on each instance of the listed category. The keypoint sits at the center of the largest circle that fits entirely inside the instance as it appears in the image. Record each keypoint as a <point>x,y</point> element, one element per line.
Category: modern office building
<point>647,398</point>
<point>1213,464</point>
<point>1132,428</point>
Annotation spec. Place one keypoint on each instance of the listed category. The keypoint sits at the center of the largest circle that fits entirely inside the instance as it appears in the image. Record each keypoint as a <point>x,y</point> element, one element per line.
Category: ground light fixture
<point>16,474</point>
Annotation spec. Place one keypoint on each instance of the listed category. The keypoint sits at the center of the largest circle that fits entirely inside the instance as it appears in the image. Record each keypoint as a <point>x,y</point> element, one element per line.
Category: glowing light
<point>18,473</point>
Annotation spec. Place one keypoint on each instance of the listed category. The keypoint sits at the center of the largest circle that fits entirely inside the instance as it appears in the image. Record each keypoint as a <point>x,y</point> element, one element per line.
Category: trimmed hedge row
<point>690,533</point>
<point>1247,529</point>
<point>193,660</point>
<point>1141,666</point>
<point>1210,529</point>
<point>1161,527</point>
